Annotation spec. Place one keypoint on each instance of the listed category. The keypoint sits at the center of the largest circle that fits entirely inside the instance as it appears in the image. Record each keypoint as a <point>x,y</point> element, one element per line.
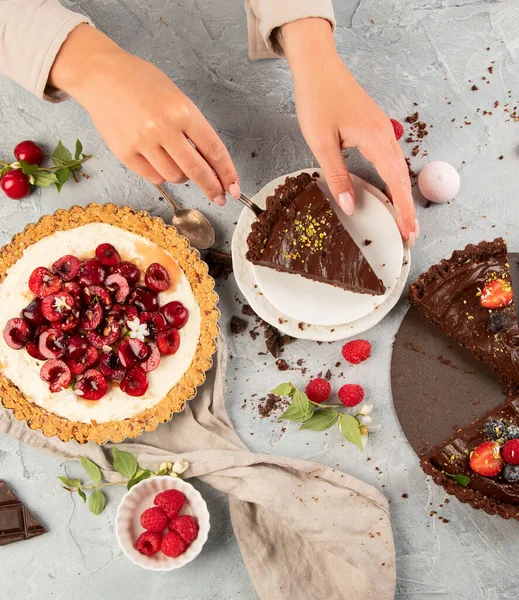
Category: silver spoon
<point>190,223</point>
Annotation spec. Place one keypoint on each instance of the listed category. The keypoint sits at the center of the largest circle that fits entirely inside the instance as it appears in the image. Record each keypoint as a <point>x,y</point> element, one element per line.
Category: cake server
<point>190,223</point>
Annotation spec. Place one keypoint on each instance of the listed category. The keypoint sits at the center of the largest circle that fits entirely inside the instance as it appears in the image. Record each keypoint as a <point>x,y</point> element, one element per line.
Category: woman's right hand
<point>145,120</point>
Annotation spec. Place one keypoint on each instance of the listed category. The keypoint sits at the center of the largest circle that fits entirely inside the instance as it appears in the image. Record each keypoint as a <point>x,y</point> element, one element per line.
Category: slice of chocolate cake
<point>300,233</point>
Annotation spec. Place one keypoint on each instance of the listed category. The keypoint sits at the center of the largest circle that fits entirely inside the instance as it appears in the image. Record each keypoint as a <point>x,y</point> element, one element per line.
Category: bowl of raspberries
<point>162,523</point>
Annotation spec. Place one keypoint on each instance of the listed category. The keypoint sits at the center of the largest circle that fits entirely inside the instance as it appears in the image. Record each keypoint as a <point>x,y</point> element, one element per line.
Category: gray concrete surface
<point>403,52</point>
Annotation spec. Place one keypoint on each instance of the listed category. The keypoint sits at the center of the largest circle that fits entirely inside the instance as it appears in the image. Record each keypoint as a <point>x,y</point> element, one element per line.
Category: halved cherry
<point>144,299</point>
<point>92,317</point>
<point>155,321</point>
<point>88,359</point>
<point>92,386</point>
<point>110,366</point>
<point>69,324</point>
<point>57,306</point>
<point>57,374</point>
<point>168,341</point>
<point>176,314</point>
<point>106,335</point>
<point>153,360</point>
<point>52,343</point>
<point>17,333</point>
<point>77,346</point>
<point>42,282</point>
<point>92,272</point>
<point>135,382</point>
<point>34,351</point>
<point>123,313</point>
<point>32,313</point>
<point>97,293</point>
<point>129,271</point>
<point>118,286</point>
<point>74,289</point>
<point>108,255</point>
<point>66,267</point>
<point>157,278</point>
<point>132,351</point>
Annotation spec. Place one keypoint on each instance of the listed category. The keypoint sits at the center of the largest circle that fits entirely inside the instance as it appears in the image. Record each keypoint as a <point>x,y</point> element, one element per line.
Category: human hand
<point>145,120</point>
<point>335,113</point>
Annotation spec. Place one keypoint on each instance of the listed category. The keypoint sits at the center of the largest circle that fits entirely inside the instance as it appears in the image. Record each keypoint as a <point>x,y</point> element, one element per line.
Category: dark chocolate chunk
<point>238,325</point>
<point>219,263</point>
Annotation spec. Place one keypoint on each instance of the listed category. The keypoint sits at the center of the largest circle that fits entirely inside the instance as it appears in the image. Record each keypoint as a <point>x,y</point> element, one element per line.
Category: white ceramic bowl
<point>137,500</point>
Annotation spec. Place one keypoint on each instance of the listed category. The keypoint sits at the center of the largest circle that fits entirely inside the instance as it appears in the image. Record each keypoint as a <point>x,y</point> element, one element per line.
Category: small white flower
<point>366,410</point>
<point>79,392</point>
<point>165,467</point>
<point>173,474</point>
<point>180,466</point>
<point>16,165</point>
<point>373,428</point>
<point>107,348</point>
<point>365,420</point>
<point>60,304</point>
<point>137,329</point>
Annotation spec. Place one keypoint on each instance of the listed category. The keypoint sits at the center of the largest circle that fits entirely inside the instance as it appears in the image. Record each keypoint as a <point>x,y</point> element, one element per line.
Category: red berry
<point>171,502</point>
<point>79,365</point>
<point>144,299</point>
<point>157,278</point>
<point>318,390</point>
<point>118,286</point>
<point>154,519</point>
<point>42,282</point>
<point>106,335</point>
<point>510,452</point>
<point>52,343</point>
<point>111,367</point>
<point>356,351</point>
<point>92,386</point>
<point>77,346</point>
<point>92,272</point>
<point>154,321</point>
<point>148,543</point>
<point>129,271</point>
<point>17,333</point>
<point>92,317</point>
<point>176,314</point>
<point>398,128</point>
<point>57,374</point>
<point>153,360</point>
<point>74,289</point>
<point>486,459</point>
<point>97,293</point>
<point>173,545</point>
<point>108,255</point>
<point>168,341</point>
<point>131,351</point>
<point>66,267</point>
<point>57,306</point>
<point>68,324</point>
<point>496,294</point>
<point>351,394</point>
<point>34,351</point>
<point>135,382</point>
<point>32,313</point>
<point>29,152</point>
<point>15,185</point>
<point>186,526</point>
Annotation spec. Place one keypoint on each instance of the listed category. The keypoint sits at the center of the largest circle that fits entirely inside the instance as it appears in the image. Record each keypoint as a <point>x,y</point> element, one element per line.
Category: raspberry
<point>351,394</point>
<point>318,390</point>
<point>170,501</point>
<point>148,543</point>
<point>398,128</point>
<point>510,452</point>
<point>356,351</point>
<point>173,545</point>
<point>154,519</point>
<point>186,526</point>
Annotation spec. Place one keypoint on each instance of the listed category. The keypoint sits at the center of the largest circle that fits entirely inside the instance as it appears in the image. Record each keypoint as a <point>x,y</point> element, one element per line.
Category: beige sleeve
<point>31,34</point>
<point>264,18</point>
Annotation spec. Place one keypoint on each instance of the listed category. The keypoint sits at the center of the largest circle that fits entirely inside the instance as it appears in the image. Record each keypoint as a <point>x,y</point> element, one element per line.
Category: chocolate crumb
<point>474,88</point>
<point>253,154</point>
<point>282,365</point>
<point>405,496</point>
<point>501,157</point>
<point>328,375</point>
<point>238,325</point>
<point>247,310</point>
<point>367,242</point>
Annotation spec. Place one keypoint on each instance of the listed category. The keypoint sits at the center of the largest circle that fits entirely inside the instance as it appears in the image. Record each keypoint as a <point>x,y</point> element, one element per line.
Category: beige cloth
<point>32,32</point>
<point>306,531</point>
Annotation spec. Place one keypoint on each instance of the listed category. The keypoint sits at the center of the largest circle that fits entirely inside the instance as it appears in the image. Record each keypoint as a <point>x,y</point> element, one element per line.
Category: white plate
<point>246,280</point>
<point>322,304</point>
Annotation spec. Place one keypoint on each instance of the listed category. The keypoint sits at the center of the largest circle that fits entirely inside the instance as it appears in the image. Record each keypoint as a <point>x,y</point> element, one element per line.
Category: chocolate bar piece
<point>16,522</point>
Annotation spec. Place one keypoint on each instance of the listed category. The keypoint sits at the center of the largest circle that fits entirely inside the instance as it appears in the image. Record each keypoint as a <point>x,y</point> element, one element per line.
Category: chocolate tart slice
<point>300,233</point>
<point>450,295</point>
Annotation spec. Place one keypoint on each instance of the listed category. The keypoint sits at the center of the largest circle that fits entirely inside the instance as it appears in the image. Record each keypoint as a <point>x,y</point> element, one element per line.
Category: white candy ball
<point>439,182</point>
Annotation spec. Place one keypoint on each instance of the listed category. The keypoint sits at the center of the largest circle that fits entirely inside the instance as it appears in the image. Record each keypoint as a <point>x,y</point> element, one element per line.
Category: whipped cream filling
<point>24,371</point>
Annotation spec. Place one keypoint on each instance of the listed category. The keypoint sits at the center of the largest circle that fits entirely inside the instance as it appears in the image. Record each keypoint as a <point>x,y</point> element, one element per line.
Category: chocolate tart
<point>202,286</point>
<point>300,233</point>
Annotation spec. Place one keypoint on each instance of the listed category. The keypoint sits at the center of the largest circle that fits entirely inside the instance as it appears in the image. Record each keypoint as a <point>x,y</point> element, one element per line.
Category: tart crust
<point>196,271</point>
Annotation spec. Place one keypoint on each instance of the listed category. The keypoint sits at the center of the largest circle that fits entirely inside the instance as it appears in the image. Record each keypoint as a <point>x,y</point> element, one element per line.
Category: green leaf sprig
<point>463,480</point>
<point>319,417</point>
<point>125,464</point>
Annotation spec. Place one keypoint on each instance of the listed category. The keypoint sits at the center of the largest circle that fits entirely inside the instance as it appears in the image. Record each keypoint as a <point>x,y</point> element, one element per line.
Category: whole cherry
<point>15,185</point>
<point>29,152</point>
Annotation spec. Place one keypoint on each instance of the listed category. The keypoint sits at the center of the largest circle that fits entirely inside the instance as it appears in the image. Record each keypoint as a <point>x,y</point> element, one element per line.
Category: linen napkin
<point>306,531</point>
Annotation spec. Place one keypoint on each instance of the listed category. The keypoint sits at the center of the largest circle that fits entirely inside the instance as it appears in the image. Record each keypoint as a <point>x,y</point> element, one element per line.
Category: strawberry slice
<point>486,459</point>
<point>496,294</point>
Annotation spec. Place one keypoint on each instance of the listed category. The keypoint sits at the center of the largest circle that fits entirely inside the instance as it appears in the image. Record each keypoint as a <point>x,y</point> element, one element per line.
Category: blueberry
<point>495,429</point>
<point>497,322</point>
<point>512,432</point>
<point>511,473</point>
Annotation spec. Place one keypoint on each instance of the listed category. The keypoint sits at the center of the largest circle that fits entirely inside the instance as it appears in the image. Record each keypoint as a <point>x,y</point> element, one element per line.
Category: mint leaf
<point>61,155</point>
<point>300,410</point>
<point>321,420</point>
<point>43,179</point>
<point>62,176</point>
<point>72,483</point>
<point>28,169</point>
<point>140,477</point>
<point>293,413</point>
<point>96,502</point>
<point>91,468</point>
<point>463,480</point>
<point>350,429</point>
<point>79,150</point>
<point>284,389</point>
<point>124,463</point>
<point>82,495</point>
